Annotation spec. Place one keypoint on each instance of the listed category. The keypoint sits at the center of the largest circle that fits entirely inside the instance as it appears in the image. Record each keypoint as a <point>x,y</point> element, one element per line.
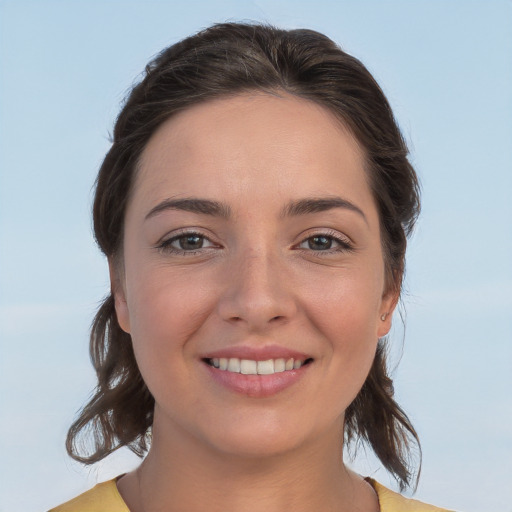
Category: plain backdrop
<point>446,67</point>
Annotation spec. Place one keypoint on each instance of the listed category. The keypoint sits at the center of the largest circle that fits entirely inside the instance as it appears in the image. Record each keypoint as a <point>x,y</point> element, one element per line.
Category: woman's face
<point>252,242</point>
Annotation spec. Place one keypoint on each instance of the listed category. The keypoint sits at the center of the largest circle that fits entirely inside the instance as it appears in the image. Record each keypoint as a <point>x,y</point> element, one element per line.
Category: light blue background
<point>446,67</point>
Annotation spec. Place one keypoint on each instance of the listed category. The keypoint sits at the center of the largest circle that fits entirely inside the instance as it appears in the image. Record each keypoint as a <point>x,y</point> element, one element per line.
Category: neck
<point>181,473</point>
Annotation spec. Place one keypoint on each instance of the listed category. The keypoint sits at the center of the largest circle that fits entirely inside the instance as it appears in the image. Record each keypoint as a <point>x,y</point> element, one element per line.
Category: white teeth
<point>248,367</point>
<point>252,367</point>
<point>234,365</point>
<point>279,365</point>
<point>266,367</point>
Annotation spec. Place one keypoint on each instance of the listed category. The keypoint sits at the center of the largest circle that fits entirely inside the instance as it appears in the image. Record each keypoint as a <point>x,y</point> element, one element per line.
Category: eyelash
<point>165,245</point>
<point>343,244</point>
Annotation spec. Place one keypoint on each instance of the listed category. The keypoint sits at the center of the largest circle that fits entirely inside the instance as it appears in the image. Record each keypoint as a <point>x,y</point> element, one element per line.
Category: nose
<point>258,293</point>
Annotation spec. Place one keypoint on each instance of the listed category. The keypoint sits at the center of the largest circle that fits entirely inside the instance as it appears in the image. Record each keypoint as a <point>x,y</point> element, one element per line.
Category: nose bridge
<point>257,267</point>
<point>256,291</point>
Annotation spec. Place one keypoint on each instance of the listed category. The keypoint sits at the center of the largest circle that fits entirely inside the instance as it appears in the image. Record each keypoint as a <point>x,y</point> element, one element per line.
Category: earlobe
<point>118,292</point>
<point>388,305</point>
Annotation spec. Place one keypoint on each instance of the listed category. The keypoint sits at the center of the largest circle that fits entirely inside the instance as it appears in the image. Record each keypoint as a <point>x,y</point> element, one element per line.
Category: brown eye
<point>326,243</point>
<point>186,243</point>
<point>190,242</point>
<point>319,243</point>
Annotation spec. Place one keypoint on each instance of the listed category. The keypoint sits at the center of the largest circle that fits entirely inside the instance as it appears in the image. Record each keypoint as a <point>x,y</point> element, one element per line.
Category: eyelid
<point>164,244</point>
<point>344,242</point>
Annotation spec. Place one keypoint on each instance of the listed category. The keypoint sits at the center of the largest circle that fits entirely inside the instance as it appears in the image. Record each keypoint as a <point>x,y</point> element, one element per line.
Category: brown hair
<point>222,60</point>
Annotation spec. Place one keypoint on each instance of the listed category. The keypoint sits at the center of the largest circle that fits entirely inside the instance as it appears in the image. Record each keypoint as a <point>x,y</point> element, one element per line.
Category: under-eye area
<point>253,367</point>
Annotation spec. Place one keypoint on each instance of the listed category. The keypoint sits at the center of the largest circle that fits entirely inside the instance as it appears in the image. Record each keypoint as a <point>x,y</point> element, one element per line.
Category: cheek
<point>347,316</point>
<point>165,314</point>
<point>347,302</point>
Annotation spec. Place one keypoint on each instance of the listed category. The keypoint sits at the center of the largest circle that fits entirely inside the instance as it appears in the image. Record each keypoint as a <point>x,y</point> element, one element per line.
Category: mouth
<point>254,367</point>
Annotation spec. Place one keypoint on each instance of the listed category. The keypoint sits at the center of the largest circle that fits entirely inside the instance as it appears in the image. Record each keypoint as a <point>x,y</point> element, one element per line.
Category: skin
<point>259,279</point>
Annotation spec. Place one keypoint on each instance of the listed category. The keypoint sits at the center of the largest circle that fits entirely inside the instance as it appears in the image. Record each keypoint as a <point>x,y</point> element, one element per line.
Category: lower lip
<point>257,386</point>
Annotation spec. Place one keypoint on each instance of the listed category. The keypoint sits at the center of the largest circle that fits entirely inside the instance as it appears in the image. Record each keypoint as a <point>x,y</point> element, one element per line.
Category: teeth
<point>251,367</point>
<point>248,367</point>
<point>234,365</point>
<point>279,365</point>
<point>266,367</point>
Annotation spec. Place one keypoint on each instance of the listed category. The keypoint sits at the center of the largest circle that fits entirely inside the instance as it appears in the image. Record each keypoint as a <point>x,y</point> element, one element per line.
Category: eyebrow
<point>292,209</point>
<point>320,204</point>
<point>202,206</point>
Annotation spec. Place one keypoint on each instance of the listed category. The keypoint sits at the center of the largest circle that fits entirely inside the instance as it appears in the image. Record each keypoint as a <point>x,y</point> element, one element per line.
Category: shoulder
<point>391,501</point>
<point>103,497</point>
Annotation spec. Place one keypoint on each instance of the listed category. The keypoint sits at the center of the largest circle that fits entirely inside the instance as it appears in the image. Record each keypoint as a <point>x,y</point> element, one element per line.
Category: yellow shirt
<point>106,498</point>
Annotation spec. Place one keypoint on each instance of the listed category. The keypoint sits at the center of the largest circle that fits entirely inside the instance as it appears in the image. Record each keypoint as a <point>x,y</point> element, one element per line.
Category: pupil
<point>320,243</point>
<point>191,242</point>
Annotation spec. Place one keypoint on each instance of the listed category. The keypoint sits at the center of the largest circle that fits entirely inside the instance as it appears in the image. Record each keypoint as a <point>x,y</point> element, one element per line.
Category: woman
<point>254,209</point>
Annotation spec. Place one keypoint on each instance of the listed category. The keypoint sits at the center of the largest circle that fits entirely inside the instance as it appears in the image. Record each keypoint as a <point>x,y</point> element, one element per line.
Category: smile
<point>253,367</point>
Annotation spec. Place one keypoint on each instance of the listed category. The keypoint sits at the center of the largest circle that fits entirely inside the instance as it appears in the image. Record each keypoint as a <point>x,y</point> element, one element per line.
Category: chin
<point>257,445</point>
<point>265,435</point>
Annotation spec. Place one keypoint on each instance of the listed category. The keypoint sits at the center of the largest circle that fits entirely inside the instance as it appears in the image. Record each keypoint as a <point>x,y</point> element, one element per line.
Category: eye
<point>187,242</point>
<point>326,242</point>
<point>190,242</point>
<point>319,243</point>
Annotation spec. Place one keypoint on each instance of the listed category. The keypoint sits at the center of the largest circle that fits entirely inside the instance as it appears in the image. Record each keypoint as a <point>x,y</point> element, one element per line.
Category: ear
<point>387,307</point>
<point>117,289</point>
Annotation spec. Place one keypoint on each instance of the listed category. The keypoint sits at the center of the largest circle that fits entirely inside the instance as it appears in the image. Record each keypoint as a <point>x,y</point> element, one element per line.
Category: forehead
<point>252,146</point>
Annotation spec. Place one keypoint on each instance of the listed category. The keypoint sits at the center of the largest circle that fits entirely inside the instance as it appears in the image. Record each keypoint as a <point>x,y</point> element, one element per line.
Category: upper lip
<point>257,353</point>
